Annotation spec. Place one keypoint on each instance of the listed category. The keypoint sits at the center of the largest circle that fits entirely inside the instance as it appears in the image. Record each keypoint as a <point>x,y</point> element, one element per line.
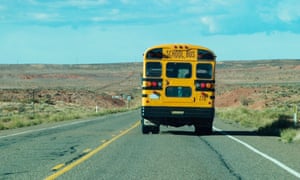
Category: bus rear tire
<point>200,130</point>
<point>146,129</point>
<point>155,129</point>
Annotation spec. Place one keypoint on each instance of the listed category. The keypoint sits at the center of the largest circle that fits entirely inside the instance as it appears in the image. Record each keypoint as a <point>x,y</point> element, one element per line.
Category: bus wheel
<point>145,128</point>
<point>156,129</point>
<point>200,130</point>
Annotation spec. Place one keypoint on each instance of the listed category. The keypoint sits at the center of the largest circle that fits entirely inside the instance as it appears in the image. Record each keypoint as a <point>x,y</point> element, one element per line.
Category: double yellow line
<point>90,154</point>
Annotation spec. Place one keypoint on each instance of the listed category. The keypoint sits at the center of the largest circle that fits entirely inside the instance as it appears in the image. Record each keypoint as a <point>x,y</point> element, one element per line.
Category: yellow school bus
<point>178,87</point>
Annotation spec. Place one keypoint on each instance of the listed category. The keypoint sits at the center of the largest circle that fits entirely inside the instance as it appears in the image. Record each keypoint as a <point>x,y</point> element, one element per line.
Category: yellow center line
<point>90,154</point>
<point>57,167</point>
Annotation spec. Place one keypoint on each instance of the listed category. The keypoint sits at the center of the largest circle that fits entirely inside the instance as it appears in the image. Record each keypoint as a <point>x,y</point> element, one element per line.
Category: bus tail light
<point>208,85</point>
<point>153,84</point>
<point>204,86</point>
<point>148,83</point>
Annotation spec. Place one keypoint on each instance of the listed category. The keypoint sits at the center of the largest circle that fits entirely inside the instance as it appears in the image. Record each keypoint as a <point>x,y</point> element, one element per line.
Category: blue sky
<point>110,31</point>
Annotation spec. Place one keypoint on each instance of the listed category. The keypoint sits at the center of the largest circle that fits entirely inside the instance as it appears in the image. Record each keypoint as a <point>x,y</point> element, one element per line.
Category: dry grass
<point>252,93</point>
<point>35,94</point>
<point>260,94</point>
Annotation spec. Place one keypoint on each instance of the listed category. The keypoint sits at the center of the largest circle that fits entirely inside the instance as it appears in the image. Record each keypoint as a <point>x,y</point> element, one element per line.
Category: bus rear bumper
<point>179,116</point>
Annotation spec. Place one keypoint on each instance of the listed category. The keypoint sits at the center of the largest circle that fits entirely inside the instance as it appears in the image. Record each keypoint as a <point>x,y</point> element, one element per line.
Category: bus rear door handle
<point>167,82</point>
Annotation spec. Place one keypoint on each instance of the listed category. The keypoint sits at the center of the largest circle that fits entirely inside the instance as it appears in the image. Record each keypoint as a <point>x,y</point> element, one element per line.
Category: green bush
<point>2,127</point>
<point>287,135</point>
<point>45,113</point>
<point>270,122</point>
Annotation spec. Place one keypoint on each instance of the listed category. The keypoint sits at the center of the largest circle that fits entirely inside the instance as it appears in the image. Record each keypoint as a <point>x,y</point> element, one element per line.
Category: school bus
<point>178,87</point>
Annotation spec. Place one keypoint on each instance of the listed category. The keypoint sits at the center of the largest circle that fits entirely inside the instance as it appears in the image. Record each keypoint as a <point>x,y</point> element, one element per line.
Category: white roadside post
<point>128,101</point>
<point>295,115</point>
<point>97,108</point>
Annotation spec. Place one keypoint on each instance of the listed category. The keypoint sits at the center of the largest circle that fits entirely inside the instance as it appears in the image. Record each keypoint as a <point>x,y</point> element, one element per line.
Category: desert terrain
<point>258,84</point>
<point>31,92</point>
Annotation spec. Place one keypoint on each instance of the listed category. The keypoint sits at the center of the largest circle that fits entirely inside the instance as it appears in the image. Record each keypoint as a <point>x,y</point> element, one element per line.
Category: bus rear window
<point>203,54</point>
<point>179,70</point>
<point>204,71</point>
<point>178,91</point>
<point>153,69</point>
<point>155,54</point>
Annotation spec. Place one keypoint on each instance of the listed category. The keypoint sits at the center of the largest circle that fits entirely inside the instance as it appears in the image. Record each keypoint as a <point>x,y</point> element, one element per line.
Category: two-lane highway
<point>113,147</point>
<point>33,153</point>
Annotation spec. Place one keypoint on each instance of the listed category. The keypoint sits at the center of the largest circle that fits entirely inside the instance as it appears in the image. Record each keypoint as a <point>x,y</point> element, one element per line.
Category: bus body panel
<point>178,85</point>
<point>178,116</point>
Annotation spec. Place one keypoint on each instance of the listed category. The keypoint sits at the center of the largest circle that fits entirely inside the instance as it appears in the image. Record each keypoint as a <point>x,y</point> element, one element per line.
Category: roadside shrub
<point>269,122</point>
<point>31,116</point>
<point>2,127</point>
<point>21,109</point>
<point>276,127</point>
<point>57,117</point>
<point>242,115</point>
<point>246,101</point>
<point>18,124</point>
<point>287,135</point>
<point>6,119</point>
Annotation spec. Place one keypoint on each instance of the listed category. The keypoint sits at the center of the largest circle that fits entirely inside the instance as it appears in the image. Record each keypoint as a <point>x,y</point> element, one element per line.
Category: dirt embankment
<point>50,96</point>
<point>105,85</point>
<point>240,96</point>
<point>256,84</point>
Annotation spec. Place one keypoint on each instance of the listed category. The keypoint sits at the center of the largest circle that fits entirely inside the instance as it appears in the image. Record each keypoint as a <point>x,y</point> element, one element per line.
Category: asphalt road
<point>113,147</point>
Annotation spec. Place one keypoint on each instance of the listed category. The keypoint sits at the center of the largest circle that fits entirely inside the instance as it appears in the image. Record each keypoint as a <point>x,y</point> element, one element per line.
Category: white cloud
<point>74,3</point>
<point>111,15</point>
<point>246,17</point>
<point>114,12</point>
<point>210,23</point>
<point>213,17</point>
<point>2,7</point>
<point>288,11</point>
<point>127,2</point>
<point>85,3</point>
<point>43,16</point>
<point>163,2</point>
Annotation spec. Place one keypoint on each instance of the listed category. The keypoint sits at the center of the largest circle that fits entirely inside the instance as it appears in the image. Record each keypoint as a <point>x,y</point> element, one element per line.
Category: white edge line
<point>275,161</point>
<point>43,129</point>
